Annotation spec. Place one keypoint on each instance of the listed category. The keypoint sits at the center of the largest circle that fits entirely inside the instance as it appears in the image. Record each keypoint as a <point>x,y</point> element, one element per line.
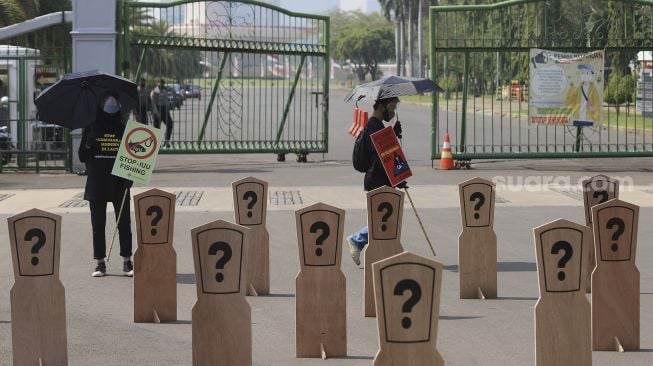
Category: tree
<point>364,40</point>
<point>620,89</point>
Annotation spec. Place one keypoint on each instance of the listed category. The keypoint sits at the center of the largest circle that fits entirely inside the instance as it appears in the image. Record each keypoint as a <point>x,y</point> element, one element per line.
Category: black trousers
<point>98,223</point>
<point>164,115</point>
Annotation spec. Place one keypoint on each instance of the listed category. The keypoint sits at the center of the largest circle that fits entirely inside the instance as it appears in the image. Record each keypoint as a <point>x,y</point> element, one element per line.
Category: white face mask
<point>111,105</point>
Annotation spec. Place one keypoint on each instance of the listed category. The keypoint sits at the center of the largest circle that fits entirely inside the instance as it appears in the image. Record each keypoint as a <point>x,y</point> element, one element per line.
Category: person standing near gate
<point>98,149</point>
<point>161,109</point>
<point>143,102</point>
<point>375,176</point>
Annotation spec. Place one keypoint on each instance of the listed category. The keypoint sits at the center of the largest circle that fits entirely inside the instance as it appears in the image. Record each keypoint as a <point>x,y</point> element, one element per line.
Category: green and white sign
<point>137,153</point>
<point>566,88</point>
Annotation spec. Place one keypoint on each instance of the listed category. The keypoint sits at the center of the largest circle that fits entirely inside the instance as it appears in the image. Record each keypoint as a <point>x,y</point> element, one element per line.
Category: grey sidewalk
<point>471,332</point>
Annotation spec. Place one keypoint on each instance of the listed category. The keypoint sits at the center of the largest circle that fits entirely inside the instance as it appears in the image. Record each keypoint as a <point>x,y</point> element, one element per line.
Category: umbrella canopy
<point>73,101</point>
<point>392,86</point>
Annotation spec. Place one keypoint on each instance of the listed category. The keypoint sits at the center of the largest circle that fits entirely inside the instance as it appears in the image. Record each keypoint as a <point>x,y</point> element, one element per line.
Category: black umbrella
<point>392,86</point>
<point>73,101</point>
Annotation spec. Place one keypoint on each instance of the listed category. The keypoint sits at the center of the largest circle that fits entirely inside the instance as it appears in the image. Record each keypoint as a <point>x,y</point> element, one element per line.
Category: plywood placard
<point>562,313</point>
<point>155,259</point>
<point>596,190</point>
<point>385,211</point>
<point>222,324</point>
<point>615,281</point>
<point>408,292</point>
<point>320,308</point>
<point>38,304</point>
<point>477,243</point>
<point>250,210</point>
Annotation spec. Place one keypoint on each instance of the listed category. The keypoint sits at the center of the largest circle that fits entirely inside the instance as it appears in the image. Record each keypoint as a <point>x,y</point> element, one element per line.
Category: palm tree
<point>394,9</point>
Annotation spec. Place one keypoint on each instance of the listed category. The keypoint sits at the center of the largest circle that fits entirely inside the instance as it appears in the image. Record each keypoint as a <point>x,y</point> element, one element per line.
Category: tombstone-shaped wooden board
<point>320,308</point>
<point>562,313</point>
<point>596,190</point>
<point>385,211</point>
<point>38,304</point>
<point>222,318</point>
<point>408,292</point>
<point>615,280</point>
<point>155,259</point>
<point>250,209</point>
<point>477,243</point>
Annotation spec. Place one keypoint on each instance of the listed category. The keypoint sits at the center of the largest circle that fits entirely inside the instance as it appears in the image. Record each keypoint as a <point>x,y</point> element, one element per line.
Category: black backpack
<point>361,156</point>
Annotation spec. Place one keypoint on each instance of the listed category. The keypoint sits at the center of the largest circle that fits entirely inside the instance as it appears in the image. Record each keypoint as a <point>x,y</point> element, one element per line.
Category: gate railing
<point>479,54</point>
<point>248,77</point>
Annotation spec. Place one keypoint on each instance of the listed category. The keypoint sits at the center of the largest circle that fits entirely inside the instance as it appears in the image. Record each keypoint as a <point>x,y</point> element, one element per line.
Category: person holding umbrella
<point>384,92</point>
<point>98,149</point>
<point>375,177</point>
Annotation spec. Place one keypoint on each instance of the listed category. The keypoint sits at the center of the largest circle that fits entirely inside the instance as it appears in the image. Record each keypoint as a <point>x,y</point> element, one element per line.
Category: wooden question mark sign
<point>477,243</point>
<point>222,324</point>
<point>38,304</point>
<point>385,211</point>
<point>615,281</point>
<point>407,289</point>
<point>562,314</point>
<point>321,313</point>
<point>155,259</point>
<point>596,190</point>
<point>250,210</point>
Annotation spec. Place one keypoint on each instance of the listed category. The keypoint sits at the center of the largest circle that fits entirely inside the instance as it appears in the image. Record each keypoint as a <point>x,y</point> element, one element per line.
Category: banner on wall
<point>566,88</point>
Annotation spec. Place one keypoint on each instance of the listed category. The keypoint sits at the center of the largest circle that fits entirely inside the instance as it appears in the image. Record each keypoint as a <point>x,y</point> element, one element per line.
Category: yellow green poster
<point>137,153</point>
<point>566,88</point>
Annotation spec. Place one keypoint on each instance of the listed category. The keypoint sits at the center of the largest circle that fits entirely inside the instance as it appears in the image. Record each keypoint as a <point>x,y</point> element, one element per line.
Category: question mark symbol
<point>252,198</point>
<point>415,296</point>
<point>223,247</point>
<point>569,251</point>
<point>481,200</point>
<point>385,207</point>
<point>157,217</point>
<point>621,227</point>
<point>40,242</point>
<point>603,194</point>
<point>325,232</point>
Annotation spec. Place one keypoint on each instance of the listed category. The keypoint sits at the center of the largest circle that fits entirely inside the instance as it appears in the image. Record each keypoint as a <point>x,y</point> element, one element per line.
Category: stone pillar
<point>94,46</point>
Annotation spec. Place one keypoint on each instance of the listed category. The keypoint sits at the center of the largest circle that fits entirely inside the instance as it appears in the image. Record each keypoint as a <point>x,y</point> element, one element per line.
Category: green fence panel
<point>249,77</point>
<point>480,55</point>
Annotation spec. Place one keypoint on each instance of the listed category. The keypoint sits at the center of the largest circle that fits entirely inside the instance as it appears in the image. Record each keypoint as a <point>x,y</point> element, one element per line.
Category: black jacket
<point>98,149</point>
<point>375,176</point>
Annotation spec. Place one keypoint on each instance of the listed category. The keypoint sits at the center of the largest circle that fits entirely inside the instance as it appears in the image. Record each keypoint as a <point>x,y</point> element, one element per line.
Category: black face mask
<point>387,115</point>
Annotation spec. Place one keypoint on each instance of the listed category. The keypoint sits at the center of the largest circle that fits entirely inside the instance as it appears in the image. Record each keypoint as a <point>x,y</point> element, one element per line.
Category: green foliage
<point>449,84</point>
<point>362,40</point>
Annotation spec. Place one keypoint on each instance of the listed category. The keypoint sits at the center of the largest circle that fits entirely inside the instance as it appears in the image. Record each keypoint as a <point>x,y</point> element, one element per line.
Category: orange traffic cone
<point>446,159</point>
<point>354,125</point>
<point>362,121</point>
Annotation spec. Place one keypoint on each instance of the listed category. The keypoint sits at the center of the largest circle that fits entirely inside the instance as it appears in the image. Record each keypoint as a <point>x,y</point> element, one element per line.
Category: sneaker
<point>128,268</point>
<point>355,251</point>
<point>100,270</point>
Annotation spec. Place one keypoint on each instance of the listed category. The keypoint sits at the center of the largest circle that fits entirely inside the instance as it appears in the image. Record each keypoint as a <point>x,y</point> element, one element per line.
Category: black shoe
<point>128,268</point>
<point>100,270</point>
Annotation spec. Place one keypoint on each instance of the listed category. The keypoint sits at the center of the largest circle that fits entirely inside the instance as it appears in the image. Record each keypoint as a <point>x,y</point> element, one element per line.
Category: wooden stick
<point>156,317</point>
<point>113,237</point>
<point>618,346</point>
<point>480,294</point>
<point>420,221</point>
<point>323,351</point>
<point>253,290</point>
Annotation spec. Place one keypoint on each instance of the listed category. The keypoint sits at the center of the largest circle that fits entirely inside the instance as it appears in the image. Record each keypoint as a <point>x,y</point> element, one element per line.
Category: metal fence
<point>479,54</point>
<point>244,76</point>
<point>28,64</point>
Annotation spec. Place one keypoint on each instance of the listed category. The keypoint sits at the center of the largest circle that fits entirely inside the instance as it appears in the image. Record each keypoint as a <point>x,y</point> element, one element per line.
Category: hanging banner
<point>566,88</point>
<point>137,153</point>
<point>392,157</point>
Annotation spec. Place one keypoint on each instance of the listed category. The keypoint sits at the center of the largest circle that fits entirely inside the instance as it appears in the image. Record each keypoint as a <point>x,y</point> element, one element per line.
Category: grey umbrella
<point>392,86</point>
<point>73,101</point>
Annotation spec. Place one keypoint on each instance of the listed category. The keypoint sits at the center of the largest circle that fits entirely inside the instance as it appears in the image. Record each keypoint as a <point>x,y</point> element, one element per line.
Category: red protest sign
<point>392,157</point>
